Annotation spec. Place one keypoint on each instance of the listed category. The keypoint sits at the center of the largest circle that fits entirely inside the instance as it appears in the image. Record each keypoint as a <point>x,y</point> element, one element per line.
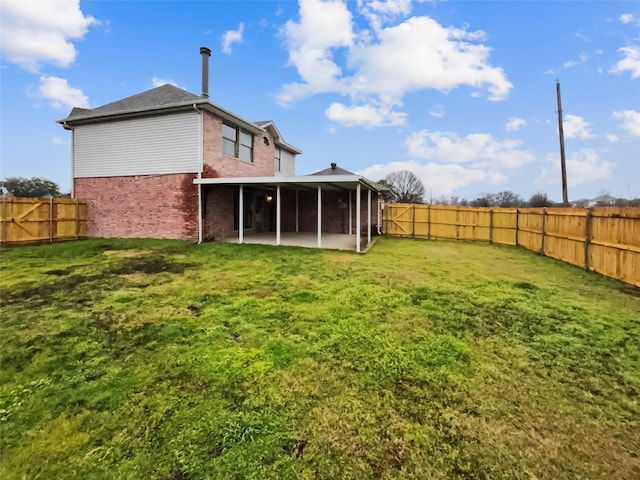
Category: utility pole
<point>565,196</point>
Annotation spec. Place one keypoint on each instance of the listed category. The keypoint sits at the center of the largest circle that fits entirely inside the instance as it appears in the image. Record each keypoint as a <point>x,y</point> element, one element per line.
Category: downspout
<point>200,168</point>
<point>73,187</point>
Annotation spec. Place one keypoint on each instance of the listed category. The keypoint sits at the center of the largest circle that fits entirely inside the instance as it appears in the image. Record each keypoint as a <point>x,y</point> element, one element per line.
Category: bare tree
<point>404,187</point>
<point>540,200</point>
<point>508,199</point>
<point>485,200</point>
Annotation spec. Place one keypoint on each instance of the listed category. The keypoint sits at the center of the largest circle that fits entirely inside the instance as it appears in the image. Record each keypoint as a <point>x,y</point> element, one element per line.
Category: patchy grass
<point>420,360</point>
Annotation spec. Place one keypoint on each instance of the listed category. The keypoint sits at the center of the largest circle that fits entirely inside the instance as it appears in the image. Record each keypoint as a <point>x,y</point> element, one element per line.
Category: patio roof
<point>302,182</point>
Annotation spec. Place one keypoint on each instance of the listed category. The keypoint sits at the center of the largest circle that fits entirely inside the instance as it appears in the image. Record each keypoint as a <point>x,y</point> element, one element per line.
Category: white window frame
<point>242,142</point>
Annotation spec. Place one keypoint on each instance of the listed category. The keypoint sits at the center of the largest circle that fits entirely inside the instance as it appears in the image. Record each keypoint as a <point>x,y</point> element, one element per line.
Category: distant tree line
<point>29,187</point>
<point>508,199</point>
<point>504,199</point>
<point>405,187</point>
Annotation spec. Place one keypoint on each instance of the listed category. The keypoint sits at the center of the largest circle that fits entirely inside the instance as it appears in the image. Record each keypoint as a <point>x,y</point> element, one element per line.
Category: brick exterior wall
<point>218,165</point>
<point>217,220</point>
<point>161,206</point>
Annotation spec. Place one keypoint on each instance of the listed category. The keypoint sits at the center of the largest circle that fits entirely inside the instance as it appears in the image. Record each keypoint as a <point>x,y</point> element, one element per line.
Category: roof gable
<point>333,170</point>
<point>164,96</point>
<point>271,127</point>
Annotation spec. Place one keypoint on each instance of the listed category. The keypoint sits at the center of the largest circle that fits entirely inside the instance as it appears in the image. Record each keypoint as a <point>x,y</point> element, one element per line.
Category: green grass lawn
<point>419,360</point>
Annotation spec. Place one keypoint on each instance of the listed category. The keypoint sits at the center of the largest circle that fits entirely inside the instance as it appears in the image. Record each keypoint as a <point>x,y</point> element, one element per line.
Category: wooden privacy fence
<point>37,220</point>
<point>605,240</point>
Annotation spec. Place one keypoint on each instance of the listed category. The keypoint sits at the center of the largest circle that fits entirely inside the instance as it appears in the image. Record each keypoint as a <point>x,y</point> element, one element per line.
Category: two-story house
<point>167,163</point>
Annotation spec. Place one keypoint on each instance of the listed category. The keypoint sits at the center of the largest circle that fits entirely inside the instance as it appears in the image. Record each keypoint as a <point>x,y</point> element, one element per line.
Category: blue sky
<point>461,93</point>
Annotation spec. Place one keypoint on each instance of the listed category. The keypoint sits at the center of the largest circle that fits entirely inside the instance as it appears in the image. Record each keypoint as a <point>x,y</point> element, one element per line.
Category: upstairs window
<point>237,142</point>
<point>277,159</point>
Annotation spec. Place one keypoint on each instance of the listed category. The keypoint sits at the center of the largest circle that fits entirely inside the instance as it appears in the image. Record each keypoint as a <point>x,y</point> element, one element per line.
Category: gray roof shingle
<point>165,96</point>
<point>333,171</point>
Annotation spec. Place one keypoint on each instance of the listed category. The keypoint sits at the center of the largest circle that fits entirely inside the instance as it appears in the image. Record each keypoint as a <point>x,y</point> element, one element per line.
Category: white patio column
<point>241,214</point>
<point>278,216</point>
<point>358,218</point>
<point>199,213</point>
<point>319,216</point>
<point>369,215</point>
<point>350,215</point>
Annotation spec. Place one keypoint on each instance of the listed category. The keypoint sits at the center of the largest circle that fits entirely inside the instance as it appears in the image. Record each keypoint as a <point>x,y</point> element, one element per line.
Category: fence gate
<point>398,219</point>
<point>31,220</point>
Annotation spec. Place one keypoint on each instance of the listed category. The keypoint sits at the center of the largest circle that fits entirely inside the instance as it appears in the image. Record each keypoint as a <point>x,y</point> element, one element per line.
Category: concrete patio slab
<point>333,241</point>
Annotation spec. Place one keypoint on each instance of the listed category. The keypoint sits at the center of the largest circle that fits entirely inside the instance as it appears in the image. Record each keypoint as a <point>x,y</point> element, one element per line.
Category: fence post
<point>491,225</point>
<point>5,220</point>
<point>50,219</point>
<point>77,219</point>
<point>517,225</point>
<point>544,221</point>
<point>429,221</point>
<point>587,238</point>
<point>413,221</point>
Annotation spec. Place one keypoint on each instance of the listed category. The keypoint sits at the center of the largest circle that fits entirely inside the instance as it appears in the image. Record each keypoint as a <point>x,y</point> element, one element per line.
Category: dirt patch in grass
<point>72,289</point>
<point>148,264</point>
<point>127,253</point>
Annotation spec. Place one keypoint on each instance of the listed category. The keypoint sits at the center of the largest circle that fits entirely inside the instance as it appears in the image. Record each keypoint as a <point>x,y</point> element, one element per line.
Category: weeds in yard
<point>420,360</point>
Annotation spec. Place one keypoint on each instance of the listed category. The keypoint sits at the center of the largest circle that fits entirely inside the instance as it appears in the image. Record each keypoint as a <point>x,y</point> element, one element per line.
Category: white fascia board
<point>284,180</point>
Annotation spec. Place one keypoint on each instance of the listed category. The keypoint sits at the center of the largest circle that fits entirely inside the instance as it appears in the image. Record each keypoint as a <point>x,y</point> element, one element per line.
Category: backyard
<point>152,359</point>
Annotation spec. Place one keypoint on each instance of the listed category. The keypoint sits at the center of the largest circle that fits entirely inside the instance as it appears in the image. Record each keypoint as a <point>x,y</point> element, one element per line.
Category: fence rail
<point>605,240</point>
<point>38,220</point>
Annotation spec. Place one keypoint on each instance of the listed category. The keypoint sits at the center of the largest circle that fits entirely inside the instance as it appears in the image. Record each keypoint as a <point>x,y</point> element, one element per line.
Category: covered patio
<point>323,211</point>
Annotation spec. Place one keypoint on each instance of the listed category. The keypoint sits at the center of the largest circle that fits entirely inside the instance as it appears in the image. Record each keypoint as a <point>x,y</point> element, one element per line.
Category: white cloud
<point>515,123</point>
<point>575,126</point>
<point>364,116</point>
<point>582,166</point>
<point>572,63</point>
<point>378,12</point>
<point>33,33</point>
<point>323,26</point>
<point>158,82</point>
<point>626,17</point>
<point>230,37</point>
<point>477,149</point>
<point>60,94</point>
<point>381,64</point>
<point>438,179</point>
<point>629,121</point>
<point>448,58</point>
<point>612,137</point>
<point>437,111</point>
<point>630,62</point>
<point>58,141</point>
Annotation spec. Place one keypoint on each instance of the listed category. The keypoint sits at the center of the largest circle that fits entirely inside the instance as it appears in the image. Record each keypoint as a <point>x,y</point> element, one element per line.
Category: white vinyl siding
<point>287,163</point>
<point>146,146</point>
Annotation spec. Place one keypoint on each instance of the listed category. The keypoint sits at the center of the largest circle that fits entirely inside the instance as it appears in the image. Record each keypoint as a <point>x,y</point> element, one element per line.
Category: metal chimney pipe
<point>206,53</point>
